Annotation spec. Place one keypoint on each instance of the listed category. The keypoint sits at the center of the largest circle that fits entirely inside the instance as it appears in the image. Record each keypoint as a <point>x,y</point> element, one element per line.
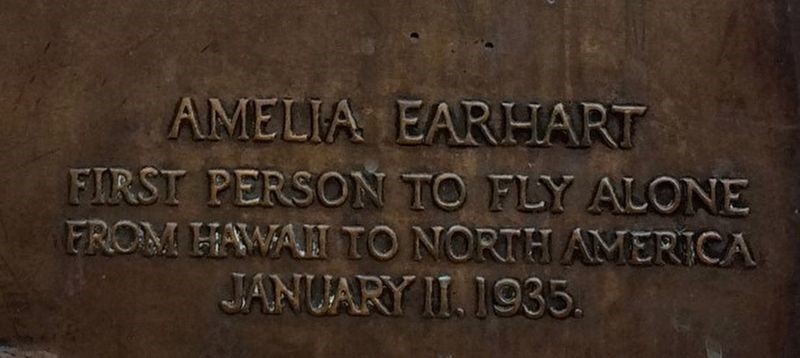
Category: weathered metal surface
<point>693,91</point>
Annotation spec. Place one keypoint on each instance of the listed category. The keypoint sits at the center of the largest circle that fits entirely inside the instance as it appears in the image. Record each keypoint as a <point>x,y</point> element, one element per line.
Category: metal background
<point>88,83</point>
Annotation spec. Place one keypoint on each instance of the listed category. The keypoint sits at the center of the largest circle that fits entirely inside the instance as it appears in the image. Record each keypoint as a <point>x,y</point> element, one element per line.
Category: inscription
<point>411,236</point>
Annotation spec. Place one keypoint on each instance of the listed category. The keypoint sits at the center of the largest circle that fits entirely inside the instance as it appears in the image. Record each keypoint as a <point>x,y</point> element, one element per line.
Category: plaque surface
<point>547,178</point>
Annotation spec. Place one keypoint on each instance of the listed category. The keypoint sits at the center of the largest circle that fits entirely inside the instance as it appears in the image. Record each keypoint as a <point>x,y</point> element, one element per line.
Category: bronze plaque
<point>550,178</point>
